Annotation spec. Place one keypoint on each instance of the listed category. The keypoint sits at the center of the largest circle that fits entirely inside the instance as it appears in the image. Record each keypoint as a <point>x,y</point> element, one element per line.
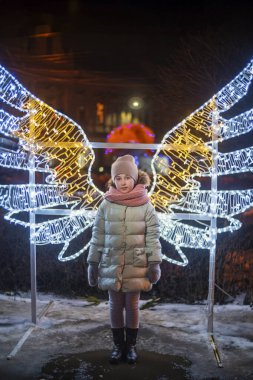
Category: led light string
<point>56,232</point>
<point>72,256</point>
<point>57,138</point>
<point>182,234</point>
<point>60,147</point>
<point>14,160</point>
<point>9,123</point>
<point>229,95</point>
<point>11,91</point>
<point>65,230</point>
<point>18,197</point>
<point>238,161</point>
<point>229,203</point>
<point>20,160</point>
<point>186,148</point>
<point>51,134</point>
<point>236,126</point>
<point>190,148</point>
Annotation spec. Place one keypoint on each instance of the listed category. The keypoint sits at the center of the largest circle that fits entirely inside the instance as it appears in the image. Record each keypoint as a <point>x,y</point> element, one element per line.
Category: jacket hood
<point>143,178</point>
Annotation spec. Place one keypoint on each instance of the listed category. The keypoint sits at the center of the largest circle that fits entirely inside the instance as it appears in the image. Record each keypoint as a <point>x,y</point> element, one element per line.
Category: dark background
<point>183,52</point>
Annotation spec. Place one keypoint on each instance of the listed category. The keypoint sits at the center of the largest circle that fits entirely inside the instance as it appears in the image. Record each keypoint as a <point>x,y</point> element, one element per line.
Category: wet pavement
<point>95,366</point>
<point>73,340</point>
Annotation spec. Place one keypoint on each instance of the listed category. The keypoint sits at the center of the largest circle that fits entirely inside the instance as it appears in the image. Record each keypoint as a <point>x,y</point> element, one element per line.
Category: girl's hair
<point>143,179</point>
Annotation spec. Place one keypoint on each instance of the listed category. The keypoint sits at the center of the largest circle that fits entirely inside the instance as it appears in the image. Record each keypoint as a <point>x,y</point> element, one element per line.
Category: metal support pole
<point>213,224</point>
<point>32,242</point>
<point>211,283</point>
<point>33,269</point>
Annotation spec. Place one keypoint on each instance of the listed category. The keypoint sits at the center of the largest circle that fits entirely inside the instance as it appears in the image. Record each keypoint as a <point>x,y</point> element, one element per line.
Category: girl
<point>125,252</point>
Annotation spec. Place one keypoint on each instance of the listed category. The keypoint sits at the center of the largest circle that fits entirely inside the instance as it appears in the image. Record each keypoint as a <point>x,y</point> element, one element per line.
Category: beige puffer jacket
<point>124,240</point>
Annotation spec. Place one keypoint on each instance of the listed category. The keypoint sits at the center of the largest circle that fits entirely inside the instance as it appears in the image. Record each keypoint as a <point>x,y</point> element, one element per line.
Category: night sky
<point>185,50</point>
<point>127,36</point>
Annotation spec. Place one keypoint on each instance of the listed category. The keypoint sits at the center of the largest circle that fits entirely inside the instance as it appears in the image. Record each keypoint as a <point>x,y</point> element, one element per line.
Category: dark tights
<point>119,301</point>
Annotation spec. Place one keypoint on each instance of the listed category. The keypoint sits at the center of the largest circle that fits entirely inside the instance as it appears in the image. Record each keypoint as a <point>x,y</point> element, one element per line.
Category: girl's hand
<point>154,272</point>
<point>93,274</point>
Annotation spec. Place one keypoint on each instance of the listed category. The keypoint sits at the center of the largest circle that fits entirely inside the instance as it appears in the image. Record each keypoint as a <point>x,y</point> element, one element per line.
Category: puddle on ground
<point>95,366</point>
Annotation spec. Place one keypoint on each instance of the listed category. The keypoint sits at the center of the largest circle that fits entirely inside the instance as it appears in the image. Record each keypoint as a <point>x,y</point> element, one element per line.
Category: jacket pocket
<point>140,258</point>
<point>105,258</point>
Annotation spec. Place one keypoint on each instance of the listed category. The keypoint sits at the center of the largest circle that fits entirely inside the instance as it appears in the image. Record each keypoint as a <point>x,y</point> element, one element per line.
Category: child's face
<point>124,183</point>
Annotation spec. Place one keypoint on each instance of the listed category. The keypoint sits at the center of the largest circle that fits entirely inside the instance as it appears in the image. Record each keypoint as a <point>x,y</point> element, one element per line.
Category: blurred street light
<point>135,103</point>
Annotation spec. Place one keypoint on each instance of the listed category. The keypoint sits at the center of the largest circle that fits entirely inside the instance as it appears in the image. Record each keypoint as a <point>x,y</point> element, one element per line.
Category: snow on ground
<point>71,326</point>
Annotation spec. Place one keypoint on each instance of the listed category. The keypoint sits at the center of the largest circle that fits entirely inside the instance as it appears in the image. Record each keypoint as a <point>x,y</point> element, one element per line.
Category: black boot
<point>131,354</point>
<point>119,345</point>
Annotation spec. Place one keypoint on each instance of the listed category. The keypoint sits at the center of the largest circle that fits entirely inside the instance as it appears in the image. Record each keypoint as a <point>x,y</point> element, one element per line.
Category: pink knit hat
<point>125,165</point>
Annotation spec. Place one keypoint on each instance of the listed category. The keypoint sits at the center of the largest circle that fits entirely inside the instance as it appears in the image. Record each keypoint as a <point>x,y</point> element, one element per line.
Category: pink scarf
<point>136,197</point>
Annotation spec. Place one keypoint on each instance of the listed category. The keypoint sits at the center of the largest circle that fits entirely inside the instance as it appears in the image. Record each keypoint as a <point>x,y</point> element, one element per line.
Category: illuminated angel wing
<point>190,150</point>
<point>50,142</point>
